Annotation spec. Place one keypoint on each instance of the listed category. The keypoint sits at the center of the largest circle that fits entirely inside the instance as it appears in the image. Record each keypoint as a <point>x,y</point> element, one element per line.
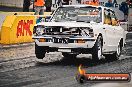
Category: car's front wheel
<point>40,51</point>
<point>97,50</point>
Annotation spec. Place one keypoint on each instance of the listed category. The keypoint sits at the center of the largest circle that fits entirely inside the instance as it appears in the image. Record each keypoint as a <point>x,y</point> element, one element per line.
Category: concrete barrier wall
<point>2,18</point>
<point>18,28</point>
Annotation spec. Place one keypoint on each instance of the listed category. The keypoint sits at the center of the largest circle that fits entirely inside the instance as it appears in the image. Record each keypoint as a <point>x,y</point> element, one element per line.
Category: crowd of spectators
<point>39,8</point>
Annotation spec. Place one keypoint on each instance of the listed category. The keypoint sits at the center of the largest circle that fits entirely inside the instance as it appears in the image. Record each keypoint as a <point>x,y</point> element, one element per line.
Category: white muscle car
<point>78,29</point>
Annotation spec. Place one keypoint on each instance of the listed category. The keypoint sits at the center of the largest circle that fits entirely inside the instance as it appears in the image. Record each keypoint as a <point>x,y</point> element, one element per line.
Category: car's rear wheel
<point>114,56</point>
<point>97,50</point>
<point>67,55</point>
<point>40,51</point>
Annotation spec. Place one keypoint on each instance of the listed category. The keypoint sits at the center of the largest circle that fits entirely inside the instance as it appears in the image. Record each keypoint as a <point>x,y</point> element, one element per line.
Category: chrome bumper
<point>88,44</point>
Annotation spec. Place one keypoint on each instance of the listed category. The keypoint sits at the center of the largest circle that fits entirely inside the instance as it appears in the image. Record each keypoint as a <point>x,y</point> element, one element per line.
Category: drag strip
<point>57,71</point>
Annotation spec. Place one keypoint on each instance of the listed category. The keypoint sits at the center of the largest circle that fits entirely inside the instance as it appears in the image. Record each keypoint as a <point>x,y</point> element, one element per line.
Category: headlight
<point>91,33</point>
<point>38,30</point>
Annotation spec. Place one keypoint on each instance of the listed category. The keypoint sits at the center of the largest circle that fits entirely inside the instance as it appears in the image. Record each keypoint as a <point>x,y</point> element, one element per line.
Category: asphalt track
<point>55,71</point>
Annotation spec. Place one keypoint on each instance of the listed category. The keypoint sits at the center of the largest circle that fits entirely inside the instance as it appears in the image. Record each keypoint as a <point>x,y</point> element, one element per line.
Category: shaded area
<point>10,9</point>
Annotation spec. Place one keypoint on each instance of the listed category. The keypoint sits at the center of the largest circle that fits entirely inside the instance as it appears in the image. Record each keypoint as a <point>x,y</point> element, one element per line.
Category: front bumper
<point>70,47</point>
<point>88,44</point>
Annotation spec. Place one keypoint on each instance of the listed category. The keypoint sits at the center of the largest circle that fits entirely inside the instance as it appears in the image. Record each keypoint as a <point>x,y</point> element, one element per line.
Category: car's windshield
<point>81,14</point>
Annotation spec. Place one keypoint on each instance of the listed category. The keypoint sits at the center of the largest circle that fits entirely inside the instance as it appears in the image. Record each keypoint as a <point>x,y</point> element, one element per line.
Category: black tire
<point>39,51</point>
<point>115,55</point>
<point>67,55</point>
<point>97,50</point>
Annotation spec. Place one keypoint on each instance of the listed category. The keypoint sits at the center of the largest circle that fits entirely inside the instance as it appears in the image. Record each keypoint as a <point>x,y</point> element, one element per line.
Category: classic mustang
<point>76,29</point>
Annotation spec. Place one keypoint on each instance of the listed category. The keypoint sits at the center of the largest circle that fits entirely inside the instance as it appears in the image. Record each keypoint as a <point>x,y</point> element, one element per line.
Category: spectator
<point>39,7</point>
<point>48,5</point>
<point>124,8</point>
<point>32,2</point>
<point>94,2</point>
<point>109,4</point>
<point>26,5</point>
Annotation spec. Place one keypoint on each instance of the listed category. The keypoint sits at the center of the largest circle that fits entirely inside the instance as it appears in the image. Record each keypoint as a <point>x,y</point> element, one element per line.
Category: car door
<point>109,30</point>
<point>118,31</point>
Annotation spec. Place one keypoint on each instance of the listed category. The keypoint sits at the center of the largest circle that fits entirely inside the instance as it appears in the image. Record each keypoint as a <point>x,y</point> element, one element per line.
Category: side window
<point>114,19</point>
<point>107,17</point>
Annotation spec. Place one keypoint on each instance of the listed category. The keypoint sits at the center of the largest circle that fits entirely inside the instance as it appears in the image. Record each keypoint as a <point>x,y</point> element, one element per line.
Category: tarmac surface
<point>20,68</point>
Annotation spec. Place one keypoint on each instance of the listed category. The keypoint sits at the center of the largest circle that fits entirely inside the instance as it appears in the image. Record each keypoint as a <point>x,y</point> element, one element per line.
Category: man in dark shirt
<point>48,5</point>
<point>26,5</point>
<point>124,8</point>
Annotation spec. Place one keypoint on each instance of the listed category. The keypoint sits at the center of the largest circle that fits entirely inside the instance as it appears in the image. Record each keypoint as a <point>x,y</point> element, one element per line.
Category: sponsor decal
<point>23,28</point>
<point>82,76</point>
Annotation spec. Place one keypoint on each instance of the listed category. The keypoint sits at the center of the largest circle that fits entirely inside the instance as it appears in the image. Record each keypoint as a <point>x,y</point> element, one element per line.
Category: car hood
<point>68,24</point>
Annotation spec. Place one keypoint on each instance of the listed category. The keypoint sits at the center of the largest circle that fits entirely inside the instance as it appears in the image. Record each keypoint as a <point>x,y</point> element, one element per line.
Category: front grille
<point>62,31</point>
